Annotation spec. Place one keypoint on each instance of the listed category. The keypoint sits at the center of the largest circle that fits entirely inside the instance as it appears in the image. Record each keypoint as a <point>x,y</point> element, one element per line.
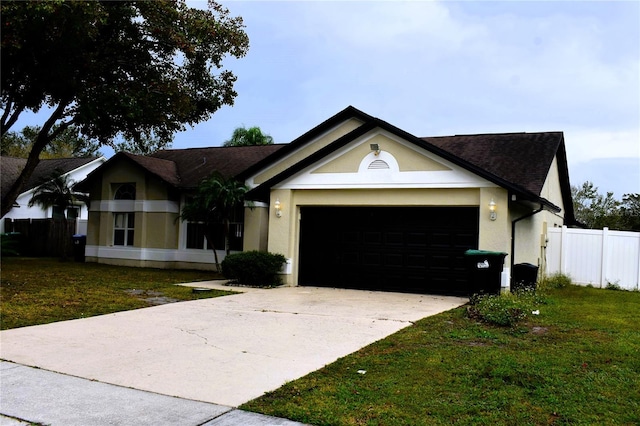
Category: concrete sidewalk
<point>222,352</point>
<point>31,395</point>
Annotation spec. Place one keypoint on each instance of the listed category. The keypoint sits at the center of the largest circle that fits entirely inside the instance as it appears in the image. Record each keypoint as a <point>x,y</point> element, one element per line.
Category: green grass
<point>42,290</point>
<point>578,362</point>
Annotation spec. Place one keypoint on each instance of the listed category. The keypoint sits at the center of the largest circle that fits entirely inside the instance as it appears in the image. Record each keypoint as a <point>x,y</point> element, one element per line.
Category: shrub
<point>254,268</point>
<point>613,286</point>
<point>557,280</point>
<point>506,309</point>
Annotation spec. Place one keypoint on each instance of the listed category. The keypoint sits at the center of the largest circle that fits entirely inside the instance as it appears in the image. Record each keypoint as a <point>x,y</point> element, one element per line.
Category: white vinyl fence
<point>596,257</point>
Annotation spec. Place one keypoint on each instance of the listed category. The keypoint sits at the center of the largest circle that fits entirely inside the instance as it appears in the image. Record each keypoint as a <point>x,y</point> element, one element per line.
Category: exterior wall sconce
<point>278,208</point>
<point>492,210</point>
<point>375,148</point>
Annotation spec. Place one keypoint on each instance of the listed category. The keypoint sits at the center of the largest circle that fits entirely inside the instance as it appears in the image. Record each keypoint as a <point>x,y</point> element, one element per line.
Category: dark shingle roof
<point>12,167</point>
<point>164,169</point>
<point>195,164</point>
<point>523,159</point>
<point>518,162</point>
<point>186,168</point>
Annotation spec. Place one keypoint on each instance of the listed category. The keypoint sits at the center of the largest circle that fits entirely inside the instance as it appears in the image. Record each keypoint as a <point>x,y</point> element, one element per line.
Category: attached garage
<point>405,249</point>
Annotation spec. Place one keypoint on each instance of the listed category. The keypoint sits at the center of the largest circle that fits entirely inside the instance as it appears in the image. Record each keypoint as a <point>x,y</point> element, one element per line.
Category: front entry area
<point>403,249</point>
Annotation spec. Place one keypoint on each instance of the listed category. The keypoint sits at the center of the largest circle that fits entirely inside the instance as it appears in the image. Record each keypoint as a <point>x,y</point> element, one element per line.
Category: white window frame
<point>126,228</point>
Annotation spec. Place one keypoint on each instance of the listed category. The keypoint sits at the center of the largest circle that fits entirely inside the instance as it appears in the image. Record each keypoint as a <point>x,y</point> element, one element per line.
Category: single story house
<point>76,169</point>
<point>354,202</point>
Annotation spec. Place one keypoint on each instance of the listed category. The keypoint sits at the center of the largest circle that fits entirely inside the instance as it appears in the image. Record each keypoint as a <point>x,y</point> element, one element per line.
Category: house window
<point>123,229</point>
<point>126,191</point>
<point>196,233</point>
<point>71,212</point>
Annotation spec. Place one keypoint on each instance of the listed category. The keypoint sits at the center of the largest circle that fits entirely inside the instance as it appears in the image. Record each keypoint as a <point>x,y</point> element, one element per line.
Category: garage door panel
<point>372,237</point>
<point>394,238</point>
<point>416,249</point>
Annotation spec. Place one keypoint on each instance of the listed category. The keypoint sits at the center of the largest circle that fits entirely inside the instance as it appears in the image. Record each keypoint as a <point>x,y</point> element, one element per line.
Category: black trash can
<point>79,243</point>
<point>525,277</point>
<point>11,244</point>
<point>485,271</point>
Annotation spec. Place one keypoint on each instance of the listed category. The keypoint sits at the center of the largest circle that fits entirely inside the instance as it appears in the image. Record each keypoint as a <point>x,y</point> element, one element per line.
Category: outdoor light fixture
<point>278,208</point>
<point>492,210</point>
<point>375,148</point>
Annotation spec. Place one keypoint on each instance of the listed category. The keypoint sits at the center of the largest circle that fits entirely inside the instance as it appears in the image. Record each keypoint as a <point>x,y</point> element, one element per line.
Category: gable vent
<point>378,165</point>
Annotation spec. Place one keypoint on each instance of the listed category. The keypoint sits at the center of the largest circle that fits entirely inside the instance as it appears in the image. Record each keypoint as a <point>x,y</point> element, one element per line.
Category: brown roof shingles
<point>195,164</point>
<point>12,167</point>
<point>522,159</point>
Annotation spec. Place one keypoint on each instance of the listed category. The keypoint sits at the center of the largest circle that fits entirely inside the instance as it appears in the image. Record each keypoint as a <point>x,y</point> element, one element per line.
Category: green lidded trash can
<point>485,270</point>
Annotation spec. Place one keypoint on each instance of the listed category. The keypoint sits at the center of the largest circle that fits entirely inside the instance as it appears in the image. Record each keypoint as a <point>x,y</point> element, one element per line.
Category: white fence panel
<point>596,257</point>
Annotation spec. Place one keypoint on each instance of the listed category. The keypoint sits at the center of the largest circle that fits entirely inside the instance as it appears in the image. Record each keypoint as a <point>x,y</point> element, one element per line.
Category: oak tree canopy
<point>138,70</point>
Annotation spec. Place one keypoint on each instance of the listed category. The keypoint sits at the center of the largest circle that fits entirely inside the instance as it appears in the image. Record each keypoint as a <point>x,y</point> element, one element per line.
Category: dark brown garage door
<point>407,249</point>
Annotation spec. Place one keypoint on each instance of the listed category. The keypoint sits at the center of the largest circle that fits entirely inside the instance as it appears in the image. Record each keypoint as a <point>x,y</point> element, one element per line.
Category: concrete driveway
<point>226,350</point>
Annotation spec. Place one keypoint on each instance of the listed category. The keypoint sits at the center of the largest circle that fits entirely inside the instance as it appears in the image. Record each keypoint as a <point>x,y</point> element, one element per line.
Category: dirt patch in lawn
<point>152,297</point>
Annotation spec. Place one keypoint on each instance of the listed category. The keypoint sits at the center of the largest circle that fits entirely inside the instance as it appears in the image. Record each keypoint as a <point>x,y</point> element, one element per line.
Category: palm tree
<point>214,202</point>
<point>57,192</point>
<point>249,137</point>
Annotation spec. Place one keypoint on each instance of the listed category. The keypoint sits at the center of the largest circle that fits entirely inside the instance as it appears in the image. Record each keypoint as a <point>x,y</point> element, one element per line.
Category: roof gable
<point>496,158</point>
<point>396,164</point>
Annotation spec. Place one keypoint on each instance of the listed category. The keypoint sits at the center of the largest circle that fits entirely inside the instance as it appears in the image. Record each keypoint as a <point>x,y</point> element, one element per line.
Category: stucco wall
<point>256,228</point>
<point>307,150</point>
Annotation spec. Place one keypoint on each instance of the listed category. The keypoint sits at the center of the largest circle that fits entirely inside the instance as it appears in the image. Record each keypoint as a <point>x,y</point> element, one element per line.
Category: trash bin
<point>525,277</point>
<point>11,244</point>
<point>79,243</point>
<point>485,271</point>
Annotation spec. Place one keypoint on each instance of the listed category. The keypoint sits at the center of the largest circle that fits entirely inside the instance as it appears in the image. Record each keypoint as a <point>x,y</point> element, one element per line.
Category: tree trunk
<point>215,253</point>
<point>34,158</point>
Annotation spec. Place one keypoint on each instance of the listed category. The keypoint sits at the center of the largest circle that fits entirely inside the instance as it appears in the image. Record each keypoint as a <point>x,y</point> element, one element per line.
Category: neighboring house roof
<point>12,167</point>
<point>186,168</point>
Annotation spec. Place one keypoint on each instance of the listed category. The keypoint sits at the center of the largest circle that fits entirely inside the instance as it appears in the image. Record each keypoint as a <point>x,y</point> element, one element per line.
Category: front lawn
<point>42,290</point>
<point>577,362</point>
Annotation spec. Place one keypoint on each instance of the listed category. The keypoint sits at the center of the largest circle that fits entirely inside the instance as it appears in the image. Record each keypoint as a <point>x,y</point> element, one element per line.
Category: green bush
<point>557,280</point>
<point>506,309</point>
<point>254,268</point>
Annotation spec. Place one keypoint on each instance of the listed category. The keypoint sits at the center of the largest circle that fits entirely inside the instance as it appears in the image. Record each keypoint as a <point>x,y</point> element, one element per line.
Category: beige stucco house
<point>354,202</point>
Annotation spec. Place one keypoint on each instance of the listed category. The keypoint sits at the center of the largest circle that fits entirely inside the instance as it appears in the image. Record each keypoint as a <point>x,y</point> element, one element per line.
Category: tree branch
<point>6,125</point>
<point>39,144</point>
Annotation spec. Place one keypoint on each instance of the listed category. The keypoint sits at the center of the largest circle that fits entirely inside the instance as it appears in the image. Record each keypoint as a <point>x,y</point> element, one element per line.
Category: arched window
<point>126,191</point>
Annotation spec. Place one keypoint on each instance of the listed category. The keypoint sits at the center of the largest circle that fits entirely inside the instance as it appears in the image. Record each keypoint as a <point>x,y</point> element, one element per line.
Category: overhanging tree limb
<point>34,157</point>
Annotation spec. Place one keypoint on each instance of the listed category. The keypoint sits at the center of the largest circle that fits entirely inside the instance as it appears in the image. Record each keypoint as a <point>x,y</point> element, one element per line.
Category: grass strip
<point>43,290</point>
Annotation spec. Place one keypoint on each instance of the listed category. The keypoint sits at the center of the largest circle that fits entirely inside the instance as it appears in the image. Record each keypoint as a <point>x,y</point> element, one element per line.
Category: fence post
<point>604,258</point>
<point>563,250</point>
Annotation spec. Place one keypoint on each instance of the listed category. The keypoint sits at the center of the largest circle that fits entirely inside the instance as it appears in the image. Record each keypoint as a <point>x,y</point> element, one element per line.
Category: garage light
<point>375,148</point>
<point>278,208</point>
<point>492,210</point>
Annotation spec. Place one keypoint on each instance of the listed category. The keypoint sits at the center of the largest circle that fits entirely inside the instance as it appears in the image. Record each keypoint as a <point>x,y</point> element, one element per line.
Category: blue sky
<point>445,68</point>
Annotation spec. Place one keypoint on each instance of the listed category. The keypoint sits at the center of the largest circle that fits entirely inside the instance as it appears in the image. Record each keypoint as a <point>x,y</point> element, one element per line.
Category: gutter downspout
<point>513,235</point>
